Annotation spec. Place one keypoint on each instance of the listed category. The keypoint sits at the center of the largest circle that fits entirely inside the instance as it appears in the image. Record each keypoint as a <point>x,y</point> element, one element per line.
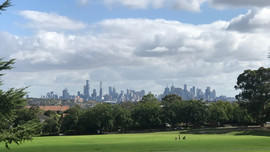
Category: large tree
<point>255,91</point>
<point>12,128</point>
<point>147,114</point>
<point>11,105</point>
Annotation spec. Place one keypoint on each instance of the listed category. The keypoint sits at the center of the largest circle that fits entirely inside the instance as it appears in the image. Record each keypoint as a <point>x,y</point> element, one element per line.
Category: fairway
<point>148,142</point>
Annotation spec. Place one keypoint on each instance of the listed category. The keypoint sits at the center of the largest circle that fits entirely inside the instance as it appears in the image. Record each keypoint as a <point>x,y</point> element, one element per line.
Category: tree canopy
<point>255,91</point>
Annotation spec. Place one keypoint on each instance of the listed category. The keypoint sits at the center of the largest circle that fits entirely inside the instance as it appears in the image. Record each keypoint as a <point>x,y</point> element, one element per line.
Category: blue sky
<point>143,44</point>
<point>95,11</point>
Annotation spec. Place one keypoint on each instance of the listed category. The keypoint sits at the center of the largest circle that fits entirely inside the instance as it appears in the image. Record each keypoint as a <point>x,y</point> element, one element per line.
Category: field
<point>201,140</point>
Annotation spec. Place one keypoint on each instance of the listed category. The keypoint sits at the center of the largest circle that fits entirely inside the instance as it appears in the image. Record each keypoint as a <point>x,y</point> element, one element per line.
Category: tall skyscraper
<point>65,94</point>
<point>86,94</point>
<point>100,90</point>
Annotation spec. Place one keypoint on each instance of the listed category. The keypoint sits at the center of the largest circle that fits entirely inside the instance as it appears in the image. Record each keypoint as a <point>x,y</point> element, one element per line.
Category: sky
<point>142,44</point>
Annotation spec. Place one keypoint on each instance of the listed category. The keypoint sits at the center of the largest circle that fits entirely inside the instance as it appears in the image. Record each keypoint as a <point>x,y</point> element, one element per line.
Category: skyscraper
<point>86,94</point>
<point>100,90</point>
<point>65,94</point>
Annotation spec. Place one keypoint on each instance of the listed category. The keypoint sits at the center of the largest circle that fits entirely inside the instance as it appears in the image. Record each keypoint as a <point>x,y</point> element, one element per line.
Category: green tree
<point>171,109</point>
<point>196,112</point>
<point>240,114</point>
<point>122,117</point>
<point>255,90</point>
<point>147,114</point>
<point>103,117</point>
<point>51,126</point>
<point>12,129</point>
<point>217,113</point>
<point>69,123</point>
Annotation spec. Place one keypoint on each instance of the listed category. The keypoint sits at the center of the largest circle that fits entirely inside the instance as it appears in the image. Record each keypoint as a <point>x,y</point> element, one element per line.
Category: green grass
<point>197,141</point>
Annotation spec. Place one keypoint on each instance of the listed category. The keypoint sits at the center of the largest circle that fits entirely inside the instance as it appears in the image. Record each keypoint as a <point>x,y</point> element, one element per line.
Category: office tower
<point>86,94</point>
<point>185,87</point>
<point>94,94</point>
<point>65,94</point>
<point>100,91</point>
<point>173,90</point>
<point>185,93</point>
<point>166,91</point>
<point>110,90</point>
<point>208,93</point>
<point>214,95</point>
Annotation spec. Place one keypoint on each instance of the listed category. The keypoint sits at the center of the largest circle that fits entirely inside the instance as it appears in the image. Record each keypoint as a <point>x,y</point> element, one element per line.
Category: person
<point>184,138</point>
<point>179,137</point>
<point>175,138</point>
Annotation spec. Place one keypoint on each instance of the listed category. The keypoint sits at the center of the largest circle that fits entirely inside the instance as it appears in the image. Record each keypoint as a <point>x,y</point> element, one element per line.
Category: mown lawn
<point>150,142</point>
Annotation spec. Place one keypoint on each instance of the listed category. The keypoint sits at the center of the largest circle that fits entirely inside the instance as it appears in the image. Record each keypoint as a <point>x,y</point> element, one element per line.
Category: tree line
<point>149,113</point>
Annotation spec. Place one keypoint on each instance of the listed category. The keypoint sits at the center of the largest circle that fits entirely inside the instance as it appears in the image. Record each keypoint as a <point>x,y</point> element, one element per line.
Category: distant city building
<point>86,94</point>
<point>65,94</point>
<point>132,95</point>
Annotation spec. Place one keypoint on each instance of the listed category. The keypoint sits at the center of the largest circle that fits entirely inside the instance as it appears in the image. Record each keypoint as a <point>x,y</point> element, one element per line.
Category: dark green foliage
<point>51,125</point>
<point>147,114</point>
<point>69,124</point>
<point>218,113</point>
<point>195,112</point>
<point>122,118</point>
<point>255,90</point>
<point>5,5</point>
<point>171,108</point>
<point>16,123</point>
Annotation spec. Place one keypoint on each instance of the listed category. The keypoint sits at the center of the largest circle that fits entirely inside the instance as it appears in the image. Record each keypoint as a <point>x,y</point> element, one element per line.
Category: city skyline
<point>138,44</point>
<point>89,93</point>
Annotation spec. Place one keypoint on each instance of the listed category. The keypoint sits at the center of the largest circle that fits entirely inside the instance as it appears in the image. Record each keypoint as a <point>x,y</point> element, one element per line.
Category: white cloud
<point>50,21</point>
<point>188,5</point>
<point>139,51</point>
<point>83,2</point>
<point>239,3</point>
<point>256,20</point>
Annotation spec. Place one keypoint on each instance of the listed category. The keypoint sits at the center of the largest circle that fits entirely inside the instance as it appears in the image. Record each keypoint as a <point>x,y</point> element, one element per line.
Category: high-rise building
<point>100,91</point>
<point>208,93</point>
<point>86,94</point>
<point>65,94</point>
<point>110,90</point>
<point>94,94</point>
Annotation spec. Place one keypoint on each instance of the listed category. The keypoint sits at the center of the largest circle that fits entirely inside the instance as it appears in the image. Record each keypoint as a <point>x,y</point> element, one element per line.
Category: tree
<point>171,109</point>
<point>255,90</point>
<point>147,114</point>
<point>196,112</point>
<point>51,126</point>
<point>69,124</point>
<point>11,105</point>
<point>122,117</point>
<point>217,113</point>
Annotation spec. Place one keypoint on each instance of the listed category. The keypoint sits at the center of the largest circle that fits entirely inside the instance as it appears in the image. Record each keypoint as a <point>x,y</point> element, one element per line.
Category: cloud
<point>139,51</point>
<point>50,21</point>
<point>256,20</point>
<point>83,2</point>
<point>239,3</point>
<point>188,5</point>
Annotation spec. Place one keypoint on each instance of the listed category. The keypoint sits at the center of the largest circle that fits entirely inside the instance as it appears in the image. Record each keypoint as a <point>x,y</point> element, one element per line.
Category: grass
<point>200,140</point>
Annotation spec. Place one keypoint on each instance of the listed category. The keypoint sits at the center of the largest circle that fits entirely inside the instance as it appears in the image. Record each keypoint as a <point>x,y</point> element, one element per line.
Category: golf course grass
<point>196,141</point>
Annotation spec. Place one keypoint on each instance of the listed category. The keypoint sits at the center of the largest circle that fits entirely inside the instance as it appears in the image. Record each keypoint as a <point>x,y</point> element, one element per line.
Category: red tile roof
<point>52,108</point>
